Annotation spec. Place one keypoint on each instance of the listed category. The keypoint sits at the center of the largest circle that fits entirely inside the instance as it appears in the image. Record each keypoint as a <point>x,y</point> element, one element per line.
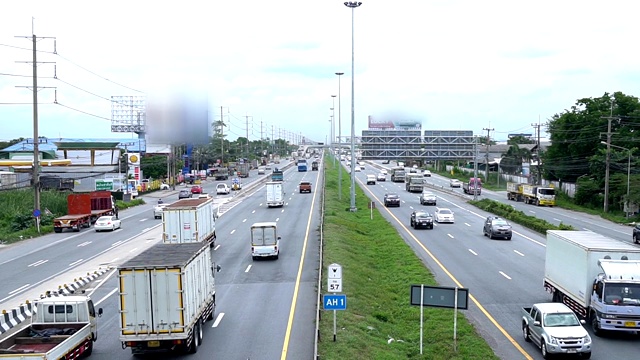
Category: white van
<point>265,241</point>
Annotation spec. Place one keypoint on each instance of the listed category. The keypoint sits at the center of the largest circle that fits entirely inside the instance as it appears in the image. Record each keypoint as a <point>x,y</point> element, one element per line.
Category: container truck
<point>61,327</point>
<point>414,183</point>
<point>189,221</point>
<point>275,193</point>
<point>514,191</point>
<point>596,276</point>
<point>398,174</point>
<point>538,195</point>
<point>166,294</point>
<point>243,170</point>
<point>83,209</point>
<point>474,185</point>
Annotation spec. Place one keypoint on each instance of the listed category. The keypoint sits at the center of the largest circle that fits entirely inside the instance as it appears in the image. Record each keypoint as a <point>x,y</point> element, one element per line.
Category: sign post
<point>335,302</point>
<point>36,214</point>
<point>372,205</point>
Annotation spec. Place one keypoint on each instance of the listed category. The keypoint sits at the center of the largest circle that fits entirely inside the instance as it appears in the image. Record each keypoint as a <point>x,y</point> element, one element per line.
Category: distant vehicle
<point>413,171</point>
<point>357,169</point>
<point>107,223</point>
<point>164,186</point>
<point>305,186</point>
<point>371,179</point>
<point>265,241</point>
<point>314,166</point>
<point>184,194</point>
<point>421,219</point>
<point>428,198</point>
<point>426,173</point>
<point>302,165</point>
<point>381,177</point>
<point>262,170</point>
<point>277,175</point>
<point>474,185</point>
<point>223,189</point>
<point>391,199</point>
<point>385,161</point>
<point>157,211</point>
<point>384,171</point>
<point>275,193</point>
<point>455,183</point>
<point>443,215</point>
<point>236,184</point>
<point>196,189</point>
<point>496,227</point>
<point>636,234</point>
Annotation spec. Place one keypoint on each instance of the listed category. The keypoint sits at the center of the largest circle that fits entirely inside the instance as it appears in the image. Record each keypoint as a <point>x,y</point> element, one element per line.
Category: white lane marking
<point>75,262</point>
<point>586,229</point>
<point>141,220</point>
<point>467,224</point>
<point>216,248</point>
<point>260,204</point>
<point>85,243</point>
<point>145,230</point>
<point>558,220</point>
<point>505,275</point>
<point>277,219</point>
<point>18,289</point>
<point>232,231</point>
<point>282,210</point>
<point>117,243</point>
<point>132,250</point>
<point>449,235</point>
<point>518,252</point>
<point>253,212</point>
<point>531,211</point>
<point>106,296</point>
<point>245,220</point>
<point>38,263</point>
<point>114,260</point>
<point>248,268</point>
<point>473,252</point>
<point>218,319</point>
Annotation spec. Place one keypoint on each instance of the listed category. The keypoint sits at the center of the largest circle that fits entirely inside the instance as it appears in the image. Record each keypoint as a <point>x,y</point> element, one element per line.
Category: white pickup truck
<point>555,329</point>
<point>61,328</point>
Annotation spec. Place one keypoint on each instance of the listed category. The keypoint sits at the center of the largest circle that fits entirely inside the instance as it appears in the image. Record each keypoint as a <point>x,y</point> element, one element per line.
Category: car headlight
<point>553,340</point>
<point>587,339</point>
<point>608,316</point>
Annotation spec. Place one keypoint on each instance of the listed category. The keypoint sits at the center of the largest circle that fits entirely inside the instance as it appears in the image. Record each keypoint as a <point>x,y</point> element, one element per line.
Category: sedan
<point>184,194</point>
<point>223,189</point>
<point>426,173</point>
<point>427,198</point>
<point>421,219</point>
<point>391,199</point>
<point>107,223</point>
<point>196,189</point>
<point>382,177</point>
<point>455,183</point>
<point>496,227</point>
<point>157,210</point>
<point>444,215</point>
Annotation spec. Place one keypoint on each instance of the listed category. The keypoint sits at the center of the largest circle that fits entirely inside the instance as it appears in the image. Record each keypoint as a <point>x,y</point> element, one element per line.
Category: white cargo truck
<point>189,220</point>
<point>166,294</point>
<point>275,193</point>
<point>596,276</point>
<point>61,327</point>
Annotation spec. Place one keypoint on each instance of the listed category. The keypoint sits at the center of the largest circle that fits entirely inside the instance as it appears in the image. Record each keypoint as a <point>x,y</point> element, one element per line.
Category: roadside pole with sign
<point>36,214</point>
<point>334,301</point>
<point>372,205</point>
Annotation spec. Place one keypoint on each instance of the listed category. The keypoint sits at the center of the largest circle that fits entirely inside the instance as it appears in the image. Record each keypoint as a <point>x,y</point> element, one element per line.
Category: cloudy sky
<point>447,64</point>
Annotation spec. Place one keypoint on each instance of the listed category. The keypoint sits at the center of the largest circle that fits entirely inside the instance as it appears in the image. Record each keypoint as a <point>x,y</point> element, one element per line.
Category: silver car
<point>497,227</point>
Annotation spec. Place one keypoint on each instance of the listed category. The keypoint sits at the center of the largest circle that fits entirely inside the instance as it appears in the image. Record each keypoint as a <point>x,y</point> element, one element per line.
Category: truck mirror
<point>218,268</point>
<point>279,237</point>
<point>536,323</point>
<point>99,312</point>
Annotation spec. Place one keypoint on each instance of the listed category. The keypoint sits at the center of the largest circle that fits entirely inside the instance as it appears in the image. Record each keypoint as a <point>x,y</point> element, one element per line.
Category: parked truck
<point>596,276</point>
<point>243,169</point>
<point>275,193</point>
<point>474,185</point>
<point>414,182</point>
<point>166,294</point>
<point>539,195</point>
<point>61,327</point>
<point>398,174</point>
<point>83,209</point>
<point>555,329</point>
<point>189,221</point>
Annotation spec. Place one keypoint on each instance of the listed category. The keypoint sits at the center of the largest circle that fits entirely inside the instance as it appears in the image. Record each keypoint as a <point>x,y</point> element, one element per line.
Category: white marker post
<point>335,286</point>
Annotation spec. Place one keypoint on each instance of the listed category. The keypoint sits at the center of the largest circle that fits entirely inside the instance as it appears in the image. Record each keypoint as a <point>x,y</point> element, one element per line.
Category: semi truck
<point>83,209</point>
<point>531,194</point>
<point>275,193</point>
<point>596,276</point>
<point>189,221</point>
<point>398,174</point>
<point>61,327</point>
<point>414,182</point>
<point>474,185</point>
<point>166,294</point>
<point>243,170</point>
<point>221,174</point>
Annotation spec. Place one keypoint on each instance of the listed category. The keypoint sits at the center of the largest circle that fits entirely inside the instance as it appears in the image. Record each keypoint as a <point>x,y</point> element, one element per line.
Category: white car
<point>371,179</point>
<point>223,189</point>
<point>455,183</point>
<point>157,210</point>
<point>107,223</point>
<point>164,186</point>
<point>443,215</point>
<point>427,173</point>
<point>383,171</point>
<point>262,170</point>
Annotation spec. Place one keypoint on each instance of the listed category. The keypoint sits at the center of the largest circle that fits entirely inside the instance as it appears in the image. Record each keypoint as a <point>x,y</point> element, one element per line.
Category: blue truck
<point>302,165</point>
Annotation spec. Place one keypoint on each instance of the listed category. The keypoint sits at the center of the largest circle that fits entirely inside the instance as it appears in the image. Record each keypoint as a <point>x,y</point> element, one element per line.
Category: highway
<point>265,309</point>
<point>502,276</point>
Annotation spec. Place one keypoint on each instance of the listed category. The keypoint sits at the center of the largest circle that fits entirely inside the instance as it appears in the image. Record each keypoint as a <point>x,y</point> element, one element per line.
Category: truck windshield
<point>622,294</point>
<point>560,319</point>
<point>547,191</point>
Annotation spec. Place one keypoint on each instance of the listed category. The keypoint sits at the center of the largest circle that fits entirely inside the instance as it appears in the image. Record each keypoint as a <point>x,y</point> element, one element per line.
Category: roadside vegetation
<point>378,270</point>
<point>16,213</point>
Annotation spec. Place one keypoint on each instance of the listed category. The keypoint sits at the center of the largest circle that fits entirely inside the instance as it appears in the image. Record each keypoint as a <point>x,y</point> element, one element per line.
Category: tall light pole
<point>339,140</point>
<point>353,5</point>
<point>333,128</point>
<point>628,172</point>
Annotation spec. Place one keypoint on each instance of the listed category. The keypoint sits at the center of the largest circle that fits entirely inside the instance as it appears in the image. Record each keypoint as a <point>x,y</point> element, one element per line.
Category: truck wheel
<point>58,230</point>
<point>595,325</point>
<point>87,352</point>
<point>525,333</point>
<point>193,348</point>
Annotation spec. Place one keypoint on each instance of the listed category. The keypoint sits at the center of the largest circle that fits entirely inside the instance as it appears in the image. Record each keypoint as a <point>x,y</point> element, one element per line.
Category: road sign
<point>335,271</point>
<point>104,185</point>
<point>334,285</point>
<point>334,302</point>
<point>440,296</point>
<point>36,212</point>
<point>334,278</point>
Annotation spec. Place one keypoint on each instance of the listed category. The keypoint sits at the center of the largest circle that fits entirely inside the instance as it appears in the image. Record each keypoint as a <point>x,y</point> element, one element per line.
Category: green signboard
<point>104,185</point>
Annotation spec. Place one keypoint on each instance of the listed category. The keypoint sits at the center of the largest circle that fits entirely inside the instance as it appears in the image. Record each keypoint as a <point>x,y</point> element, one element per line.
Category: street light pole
<point>333,128</point>
<point>353,5</point>
<point>339,140</point>
<point>628,172</point>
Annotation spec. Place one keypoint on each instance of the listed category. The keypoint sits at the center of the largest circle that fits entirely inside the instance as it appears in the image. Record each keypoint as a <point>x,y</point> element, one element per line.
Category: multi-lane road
<point>266,309</point>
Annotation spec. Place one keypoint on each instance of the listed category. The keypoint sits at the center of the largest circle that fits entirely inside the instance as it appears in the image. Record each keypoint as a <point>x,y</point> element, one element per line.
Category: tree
<point>512,160</point>
<point>517,140</point>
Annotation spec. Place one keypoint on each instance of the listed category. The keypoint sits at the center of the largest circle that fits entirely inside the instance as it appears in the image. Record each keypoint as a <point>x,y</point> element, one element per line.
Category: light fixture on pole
<point>353,5</point>
<point>628,173</point>
<point>339,140</point>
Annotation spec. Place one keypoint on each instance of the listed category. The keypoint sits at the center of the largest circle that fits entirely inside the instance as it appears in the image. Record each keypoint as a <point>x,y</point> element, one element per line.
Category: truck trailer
<point>596,276</point>
<point>83,209</point>
<point>61,327</point>
<point>166,294</point>
<point>189,221</point>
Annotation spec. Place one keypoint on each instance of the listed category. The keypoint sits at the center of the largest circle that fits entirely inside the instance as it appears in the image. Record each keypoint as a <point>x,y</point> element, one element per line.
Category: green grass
<point>378,270</point>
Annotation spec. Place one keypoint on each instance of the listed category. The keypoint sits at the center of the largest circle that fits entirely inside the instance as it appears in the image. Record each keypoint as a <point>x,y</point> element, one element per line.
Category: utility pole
<point>36,140</point>
<point>538,175</point>
<point>475,168</point>
<point>608,162</point>
<point>486,157</point>
<point>247,123</point>
<point>221,137</point>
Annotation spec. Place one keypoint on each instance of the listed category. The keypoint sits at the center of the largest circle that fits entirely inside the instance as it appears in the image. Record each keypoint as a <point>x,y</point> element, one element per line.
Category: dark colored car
<point>184,194</point>
<point>497,227</point>
<point>421,219</point>
<point>196,189</point>
<point>391,199</point>
<point>636,234</point>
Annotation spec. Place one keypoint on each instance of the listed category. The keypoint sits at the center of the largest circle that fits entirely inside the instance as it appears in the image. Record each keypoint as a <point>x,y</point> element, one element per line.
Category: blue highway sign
<point>335,302</point>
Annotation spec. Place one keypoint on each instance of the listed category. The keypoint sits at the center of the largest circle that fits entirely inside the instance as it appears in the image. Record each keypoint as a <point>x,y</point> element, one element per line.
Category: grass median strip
<point>378,268</point>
